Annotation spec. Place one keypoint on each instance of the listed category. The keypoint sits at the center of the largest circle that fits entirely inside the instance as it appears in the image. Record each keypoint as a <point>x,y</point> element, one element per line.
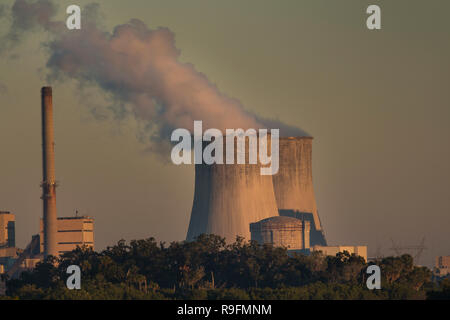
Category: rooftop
<point>75,218</point>
<point>279,221</point>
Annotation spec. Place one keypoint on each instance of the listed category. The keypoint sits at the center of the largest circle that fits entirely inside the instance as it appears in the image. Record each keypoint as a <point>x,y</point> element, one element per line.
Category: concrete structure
<point>48,166</point>
<point>228,197</point>
<point>25,259</point>
<point>287,232</point>
<point>293,185</point>
<point>7,230</point>
<point>8,250</point>
<point>72,232</point>
<point>57,235</point>
<point>333,250</point>
<point>7,257</point>
<point>30,263</point>
<point>442,267</point>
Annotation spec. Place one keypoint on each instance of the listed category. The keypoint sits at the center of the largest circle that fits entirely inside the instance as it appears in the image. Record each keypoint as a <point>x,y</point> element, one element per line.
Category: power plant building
<point>294,235</point>
<point>72,232</point>
<point>8,250</point>
<point>56,235</point>
<point>7,230</point>
<point>230,197</point>
<point>230,200</point>
<point>293,185</point>
<point>287,232</point>
<point>442,267</point>
<point>333,250</point>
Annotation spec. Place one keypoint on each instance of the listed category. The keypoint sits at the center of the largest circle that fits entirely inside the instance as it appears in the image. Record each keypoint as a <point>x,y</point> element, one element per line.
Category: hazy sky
<point>376,102</point>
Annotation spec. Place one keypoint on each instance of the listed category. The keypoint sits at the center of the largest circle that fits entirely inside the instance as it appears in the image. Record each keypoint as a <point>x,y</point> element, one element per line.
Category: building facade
<point>279,231</point>
<point>7,230</point>
<point>442,267</point>
<point>8,250</point>
<point>333,250</point>
<point>72,232</point>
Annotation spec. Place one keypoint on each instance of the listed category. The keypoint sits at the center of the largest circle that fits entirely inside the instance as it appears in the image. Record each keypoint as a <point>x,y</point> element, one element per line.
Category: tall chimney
<point>48,183</point>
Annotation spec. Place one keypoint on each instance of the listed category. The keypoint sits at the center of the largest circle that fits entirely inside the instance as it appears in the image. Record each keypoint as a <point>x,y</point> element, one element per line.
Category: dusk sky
<point>376,102</point>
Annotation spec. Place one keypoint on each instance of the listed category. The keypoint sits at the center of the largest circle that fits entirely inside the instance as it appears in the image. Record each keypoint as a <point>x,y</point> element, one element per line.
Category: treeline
<point>208,268</point>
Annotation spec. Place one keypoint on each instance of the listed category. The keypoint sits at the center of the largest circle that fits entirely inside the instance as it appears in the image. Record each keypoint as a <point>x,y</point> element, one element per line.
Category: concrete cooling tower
<point>228,197</point>
<point>293,185</point>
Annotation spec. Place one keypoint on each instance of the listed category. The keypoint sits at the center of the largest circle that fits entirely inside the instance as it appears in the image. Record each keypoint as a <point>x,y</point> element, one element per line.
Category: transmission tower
<point>378,255</point>
<point>415,250</point>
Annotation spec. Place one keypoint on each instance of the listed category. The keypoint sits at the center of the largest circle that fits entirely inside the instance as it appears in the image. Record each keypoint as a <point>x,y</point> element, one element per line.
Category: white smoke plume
<point>138,67</point>
<point>26,16</point>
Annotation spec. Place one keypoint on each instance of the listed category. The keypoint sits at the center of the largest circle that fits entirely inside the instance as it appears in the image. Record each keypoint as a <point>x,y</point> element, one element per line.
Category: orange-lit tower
<point>48,183</point>
<point>293,185</point>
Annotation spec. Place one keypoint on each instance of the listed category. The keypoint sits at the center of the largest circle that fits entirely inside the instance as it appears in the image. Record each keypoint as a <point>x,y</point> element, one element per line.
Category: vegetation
<point>208,268</point>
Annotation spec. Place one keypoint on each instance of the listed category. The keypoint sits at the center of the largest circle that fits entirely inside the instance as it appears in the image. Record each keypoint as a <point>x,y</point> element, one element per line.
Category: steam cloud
<point>138,67</point>
<point>27,16</point>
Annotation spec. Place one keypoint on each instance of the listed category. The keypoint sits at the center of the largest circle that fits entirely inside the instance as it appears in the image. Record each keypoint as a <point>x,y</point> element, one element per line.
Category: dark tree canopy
<point>208,268</point>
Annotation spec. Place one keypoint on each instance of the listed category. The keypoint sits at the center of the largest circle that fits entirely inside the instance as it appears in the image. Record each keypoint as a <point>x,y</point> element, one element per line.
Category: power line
<point>417,250</point>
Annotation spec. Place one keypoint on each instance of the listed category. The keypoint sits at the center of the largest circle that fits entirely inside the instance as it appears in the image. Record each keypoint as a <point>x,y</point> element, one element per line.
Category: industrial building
<point>442,267</point>
<point>72,232</point>
<point>236,200</point>
<point>293,185</point>
<point>8,250</point>
<point>7,229</point>
<point>228,197</point>
<point>333,250</point>
<point>287,232</point>
<point>56,235</point>
<point>230,200</point>
<point>294,235</point>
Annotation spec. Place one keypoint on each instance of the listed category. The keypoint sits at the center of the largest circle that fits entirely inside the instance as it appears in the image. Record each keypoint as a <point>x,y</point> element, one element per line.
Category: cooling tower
<point>293,184</point>
<point>48,183</point>
<point>228,197</point>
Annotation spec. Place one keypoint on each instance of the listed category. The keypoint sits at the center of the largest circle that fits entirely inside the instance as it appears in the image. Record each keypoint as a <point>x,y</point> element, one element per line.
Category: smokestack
<point>48,183</point>
<point>228,197</point>
<point>293,184</point>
